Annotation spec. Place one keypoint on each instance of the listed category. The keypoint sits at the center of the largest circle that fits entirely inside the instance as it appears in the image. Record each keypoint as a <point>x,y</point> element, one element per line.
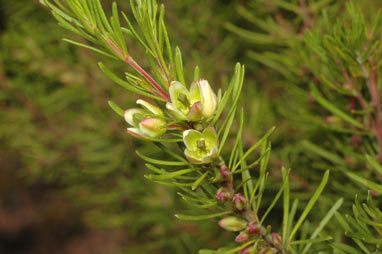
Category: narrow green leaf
<point>199,180</point>
<point>116,108</point>
<point>250,150</point>
<point>179,66</point>
<point>333,109</point>
<point>310,204</point>
<point>200,217</point>
<point>161,162</point>
<point>172,174</point>
<point>236,249</point>
<point>196,74</point>
<point>322,223</point>
<point>125,84</point>
<point>365,182</point>
<point>286,202</point>
<point>311,241</point>
<point>374,164</point>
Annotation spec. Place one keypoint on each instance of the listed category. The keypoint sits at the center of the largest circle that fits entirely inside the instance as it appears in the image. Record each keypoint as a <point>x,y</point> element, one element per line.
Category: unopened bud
<point>246,250</point>
<point>242,237</point>
<point>268,251</point>
<point>255,229</point>
<point>232,224</point>
<point>223,195</point>
<point>239,202</point>
<point>276,240</point>
<point>224,171</point>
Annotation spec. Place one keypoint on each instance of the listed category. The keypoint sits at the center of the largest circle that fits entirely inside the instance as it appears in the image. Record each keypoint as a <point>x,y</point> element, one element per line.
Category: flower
<point>193,105</point>
<point>201,147</point>
<point>146,121</point>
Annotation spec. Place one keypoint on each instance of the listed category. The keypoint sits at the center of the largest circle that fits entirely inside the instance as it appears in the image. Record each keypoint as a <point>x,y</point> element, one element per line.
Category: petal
<point>195,113</point>
<point>150,107</point>
<point>176,88</point>
<point>208,98</point>
<point>211,155</point>
<point>211,137</point>
<point>190,139</point>
<point>129,114</point>
<point>152,127</point>
<point>194,93</point>
<point>192,157</point>
<point>136,133</point>
<point>175,112</point>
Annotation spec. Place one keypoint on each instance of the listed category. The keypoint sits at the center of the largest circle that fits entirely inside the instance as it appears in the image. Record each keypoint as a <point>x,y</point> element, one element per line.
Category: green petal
<point>129,114</point>
<point>150,107</point>
<point>192,157</point>
<point>212,154</point>
<point>175,112</point>
<point>176,88</point>
<point>210,136</point>
<point>190,139</point>
<point>194,93</point>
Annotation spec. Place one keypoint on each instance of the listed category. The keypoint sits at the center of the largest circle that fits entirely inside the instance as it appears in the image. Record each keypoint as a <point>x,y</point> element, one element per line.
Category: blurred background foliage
<point>69,177</point>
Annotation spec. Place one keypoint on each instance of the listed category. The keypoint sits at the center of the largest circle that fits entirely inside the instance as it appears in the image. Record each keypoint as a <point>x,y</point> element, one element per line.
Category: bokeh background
<point>70,182</point>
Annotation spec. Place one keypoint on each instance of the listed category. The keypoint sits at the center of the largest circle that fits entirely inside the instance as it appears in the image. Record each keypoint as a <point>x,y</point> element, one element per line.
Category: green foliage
<point>312,70</point>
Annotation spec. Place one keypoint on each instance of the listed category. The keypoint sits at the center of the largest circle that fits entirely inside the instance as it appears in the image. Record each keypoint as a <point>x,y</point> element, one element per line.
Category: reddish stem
<point>139,69</point>
<point>127,59</point>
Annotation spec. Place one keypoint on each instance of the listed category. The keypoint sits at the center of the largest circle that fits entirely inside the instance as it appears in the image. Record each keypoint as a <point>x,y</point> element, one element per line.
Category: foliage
<point>312,71</point>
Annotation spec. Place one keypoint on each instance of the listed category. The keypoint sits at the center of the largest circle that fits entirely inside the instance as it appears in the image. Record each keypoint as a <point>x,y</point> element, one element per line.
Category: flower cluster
<point>187,107</point>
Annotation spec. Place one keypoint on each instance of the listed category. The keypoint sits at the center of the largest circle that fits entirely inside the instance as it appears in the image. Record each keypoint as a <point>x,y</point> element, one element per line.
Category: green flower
<point>146,121</point>
<point>202,147</point>
<point>193,105</point>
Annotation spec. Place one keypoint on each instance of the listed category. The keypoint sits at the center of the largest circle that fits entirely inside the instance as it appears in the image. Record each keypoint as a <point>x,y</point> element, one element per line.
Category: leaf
<point>286,204</point>
<point>125,84</point>
<point>161,162</point>
<point>322,224</point>
<point>171,174</point>
<point>248,152</point>
<point>367,183</point>
<point>90,48</point>
<point>374,164</point>
<point>311,241</point>
<point>333,109</point>
<point>200,217</point>
<point>198,181</point>
<point>236,249</point>
<point>116,108</point>
<point>179,66</point>
<point>310,204</point>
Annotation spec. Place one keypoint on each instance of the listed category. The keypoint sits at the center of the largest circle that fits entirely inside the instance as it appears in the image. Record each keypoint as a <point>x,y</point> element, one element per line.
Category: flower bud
<point>276,240</point>
<point>255,228</point>
<point>239,202</point>
<point>223,195</point>
<point>232,224</point>
<point>268,251</point>
<point>247,250</point>
<point>224,171</point>
<point>152,127</point>
<point>242,237</point>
